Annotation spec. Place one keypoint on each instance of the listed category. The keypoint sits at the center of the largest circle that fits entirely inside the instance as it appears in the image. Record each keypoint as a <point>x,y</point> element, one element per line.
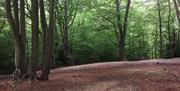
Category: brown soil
<point>147,75</point>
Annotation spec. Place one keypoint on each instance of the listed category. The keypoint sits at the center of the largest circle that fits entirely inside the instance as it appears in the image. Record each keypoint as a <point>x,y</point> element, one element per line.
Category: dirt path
<point>147,75</point>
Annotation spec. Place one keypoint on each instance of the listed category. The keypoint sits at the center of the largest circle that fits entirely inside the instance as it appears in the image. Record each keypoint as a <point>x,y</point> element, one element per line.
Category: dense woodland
<point>37,35</point>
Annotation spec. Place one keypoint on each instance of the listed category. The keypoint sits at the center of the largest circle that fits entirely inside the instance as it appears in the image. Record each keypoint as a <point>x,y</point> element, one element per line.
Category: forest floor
<point>146,75</point>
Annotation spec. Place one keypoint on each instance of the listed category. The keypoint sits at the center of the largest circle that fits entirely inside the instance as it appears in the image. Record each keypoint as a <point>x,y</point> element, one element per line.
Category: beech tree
<point>66,13</point>
<point>16,19</point>
<point>19,33</point>
<point>90,31</point>
<point>122,28</point>
<point>48,33</point>
<point>35,38</point>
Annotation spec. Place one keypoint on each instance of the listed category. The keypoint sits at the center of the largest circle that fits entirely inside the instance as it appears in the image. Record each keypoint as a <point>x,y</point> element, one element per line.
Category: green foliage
<point>93,36</point>
<point>6,53</point>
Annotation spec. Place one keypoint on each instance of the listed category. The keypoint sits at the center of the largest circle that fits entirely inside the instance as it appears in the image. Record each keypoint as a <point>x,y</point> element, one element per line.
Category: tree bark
<point>49,57</point>
<point>18,29</point>
<point>23,36</point>
<point>160,30</point>
<point>170,49</point>
<point>67,53</point>
<point>119,26</point>
<point>35,38</point>
<point>122,28</point>
<point>177,10</point>
<point>123,37</point>
<point>44,27</point>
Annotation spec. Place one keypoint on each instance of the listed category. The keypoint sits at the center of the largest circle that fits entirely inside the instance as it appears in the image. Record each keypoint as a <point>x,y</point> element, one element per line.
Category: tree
<point>176,4</point>
<point>122,28</point>
<point>35,37</point>
<point>18,28</point>
<point>48,56</point>
<point>66,13</point>
<point>160,29</point>
<point>170,44</point>
<point>87,31</point>
<point>16,19</point>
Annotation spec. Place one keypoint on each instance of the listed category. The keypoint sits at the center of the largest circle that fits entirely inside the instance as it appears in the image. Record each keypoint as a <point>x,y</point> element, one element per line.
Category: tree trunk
<point>170,49</point>
<point>65,21</point>
<point>67,53</point>
<point>119,27</point>
<point>123,37</point>
<point>35,30</point>
<point>44,27</point>
<point>155,42</point>
<point>49,43</point>
<point>18,29</point>
<point>23,36</point>
<point>177,10</point>
<point>160,30</point>
<point>122,28</point>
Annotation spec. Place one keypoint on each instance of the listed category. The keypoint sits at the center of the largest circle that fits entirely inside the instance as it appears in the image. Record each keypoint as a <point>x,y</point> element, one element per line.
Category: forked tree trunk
<point>65,21</point>
<point>122,28</point>
<point>49,57</point>
<point>18,29</point>
<point>119,27</point>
